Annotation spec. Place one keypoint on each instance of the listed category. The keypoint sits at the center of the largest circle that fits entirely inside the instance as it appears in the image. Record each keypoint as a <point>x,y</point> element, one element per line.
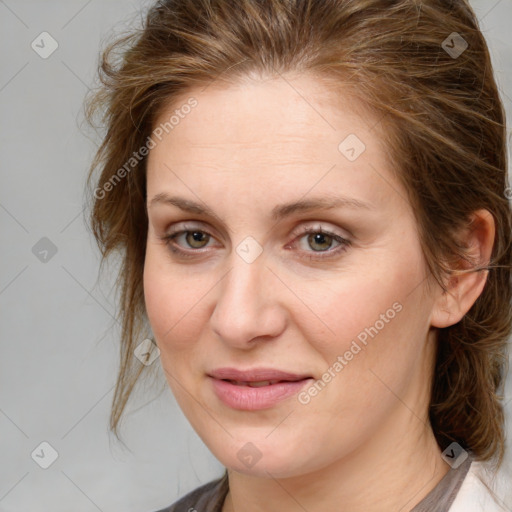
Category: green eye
<point>317,239</point>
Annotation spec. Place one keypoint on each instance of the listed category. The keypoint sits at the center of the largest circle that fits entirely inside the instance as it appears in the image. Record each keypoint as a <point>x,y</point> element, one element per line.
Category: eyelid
<point>302,230</point>
<point>180,226</point>
<point>342,241</point>
<point>318,226</point>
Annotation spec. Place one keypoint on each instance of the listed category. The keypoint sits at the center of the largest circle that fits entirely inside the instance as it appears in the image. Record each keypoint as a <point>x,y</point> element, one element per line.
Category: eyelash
<point>344,243</point>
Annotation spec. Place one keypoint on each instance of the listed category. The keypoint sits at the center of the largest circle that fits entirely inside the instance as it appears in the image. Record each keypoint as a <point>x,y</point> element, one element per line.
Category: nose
<point>247,307</point>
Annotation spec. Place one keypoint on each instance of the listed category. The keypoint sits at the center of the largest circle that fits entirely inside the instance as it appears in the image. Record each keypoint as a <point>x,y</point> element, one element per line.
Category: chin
<point>263,458</point>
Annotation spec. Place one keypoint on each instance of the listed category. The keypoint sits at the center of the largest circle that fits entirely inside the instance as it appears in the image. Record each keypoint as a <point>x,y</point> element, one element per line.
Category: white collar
<point>473,496</point>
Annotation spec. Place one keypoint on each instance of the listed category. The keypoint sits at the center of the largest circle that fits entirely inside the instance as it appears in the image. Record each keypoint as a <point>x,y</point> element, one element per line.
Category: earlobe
<point>466,285</point>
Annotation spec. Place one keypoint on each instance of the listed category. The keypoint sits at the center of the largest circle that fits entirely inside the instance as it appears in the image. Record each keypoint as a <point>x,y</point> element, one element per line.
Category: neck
<point>391,471</point>
<point>370,479</point>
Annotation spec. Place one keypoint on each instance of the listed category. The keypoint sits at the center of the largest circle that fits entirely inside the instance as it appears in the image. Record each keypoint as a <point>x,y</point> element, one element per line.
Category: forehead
<point>251,112</point>
<point>285,132</point>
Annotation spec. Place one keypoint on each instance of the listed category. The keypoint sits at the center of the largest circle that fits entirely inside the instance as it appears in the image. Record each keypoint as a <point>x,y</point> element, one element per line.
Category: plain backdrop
<point>58,333</point>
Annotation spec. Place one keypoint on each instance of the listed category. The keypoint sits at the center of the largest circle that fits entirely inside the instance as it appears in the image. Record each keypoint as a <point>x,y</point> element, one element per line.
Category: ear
<point>464,289</point>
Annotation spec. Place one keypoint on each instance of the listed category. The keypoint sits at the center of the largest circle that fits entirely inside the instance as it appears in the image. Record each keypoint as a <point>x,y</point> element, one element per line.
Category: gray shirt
<point>210,497</point>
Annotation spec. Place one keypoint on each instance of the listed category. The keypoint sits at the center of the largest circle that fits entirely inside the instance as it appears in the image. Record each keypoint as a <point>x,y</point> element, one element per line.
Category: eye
<point>194,238</point>
<point>317,238</point>
<point>321,240</point>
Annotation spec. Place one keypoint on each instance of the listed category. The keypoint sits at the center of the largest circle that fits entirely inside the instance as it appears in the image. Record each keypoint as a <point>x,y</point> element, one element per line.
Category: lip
<point>255,374</point>
<point>255,398</point>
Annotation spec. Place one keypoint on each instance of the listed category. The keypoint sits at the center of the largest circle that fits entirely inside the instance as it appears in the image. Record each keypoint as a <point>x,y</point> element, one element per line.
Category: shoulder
<point>475,496</point>
<point>206,498</point>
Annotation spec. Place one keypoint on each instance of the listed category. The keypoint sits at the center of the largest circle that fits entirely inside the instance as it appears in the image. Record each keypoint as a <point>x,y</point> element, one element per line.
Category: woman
<point>310,203</point>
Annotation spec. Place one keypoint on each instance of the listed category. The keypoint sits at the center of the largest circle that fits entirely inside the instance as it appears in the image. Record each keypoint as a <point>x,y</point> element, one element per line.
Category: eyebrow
<point>278,212</point>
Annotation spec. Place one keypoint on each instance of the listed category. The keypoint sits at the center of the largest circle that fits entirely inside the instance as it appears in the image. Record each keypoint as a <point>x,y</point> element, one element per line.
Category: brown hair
<point>446,135</point>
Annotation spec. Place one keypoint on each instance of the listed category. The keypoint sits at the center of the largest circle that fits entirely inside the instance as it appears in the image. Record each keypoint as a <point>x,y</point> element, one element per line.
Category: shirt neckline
<point>439,499</point>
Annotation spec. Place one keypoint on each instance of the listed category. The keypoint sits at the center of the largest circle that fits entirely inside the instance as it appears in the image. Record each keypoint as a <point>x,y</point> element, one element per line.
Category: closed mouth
<point>258,384</point>
<point>256,377</point>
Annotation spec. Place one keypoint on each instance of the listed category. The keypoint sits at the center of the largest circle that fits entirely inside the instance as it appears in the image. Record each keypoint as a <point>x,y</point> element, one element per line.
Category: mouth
<point>256,375</point>
<point>257,384</point>
<point>255,389</point>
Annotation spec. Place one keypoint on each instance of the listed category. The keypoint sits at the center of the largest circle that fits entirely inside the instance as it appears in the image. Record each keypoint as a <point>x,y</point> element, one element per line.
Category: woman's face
<point>243,287</point>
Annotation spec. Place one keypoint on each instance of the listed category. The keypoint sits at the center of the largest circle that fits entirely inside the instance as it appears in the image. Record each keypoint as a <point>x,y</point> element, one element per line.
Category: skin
<point>364,442</point>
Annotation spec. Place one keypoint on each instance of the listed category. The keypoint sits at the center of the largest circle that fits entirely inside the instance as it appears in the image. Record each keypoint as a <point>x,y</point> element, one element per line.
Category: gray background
<point>58,335</point>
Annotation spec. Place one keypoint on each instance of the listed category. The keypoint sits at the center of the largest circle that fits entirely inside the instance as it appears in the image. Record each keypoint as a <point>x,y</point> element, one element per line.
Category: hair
<point>445,133</point>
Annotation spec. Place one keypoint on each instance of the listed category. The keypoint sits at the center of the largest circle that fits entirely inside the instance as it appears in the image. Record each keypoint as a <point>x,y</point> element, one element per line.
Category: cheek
<point>170,298</point>
<point>173,304</point>
<point>157,294</point>
<point>376,321</point>
<point>380,337</point>
<point>165,298</point>
<point>358,307</point>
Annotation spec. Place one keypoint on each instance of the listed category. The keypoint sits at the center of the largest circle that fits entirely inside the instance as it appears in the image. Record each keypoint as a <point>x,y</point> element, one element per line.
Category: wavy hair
<point>424,69</point>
